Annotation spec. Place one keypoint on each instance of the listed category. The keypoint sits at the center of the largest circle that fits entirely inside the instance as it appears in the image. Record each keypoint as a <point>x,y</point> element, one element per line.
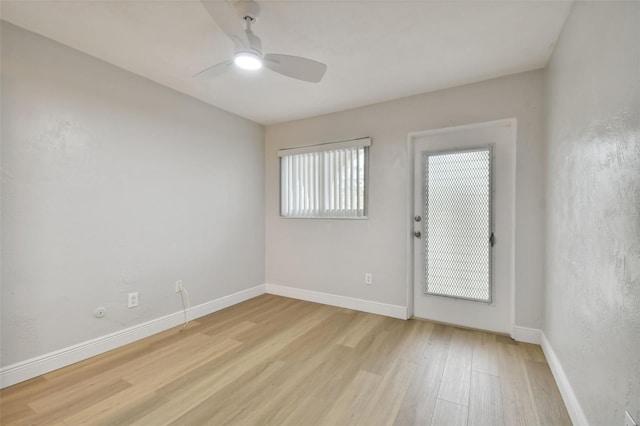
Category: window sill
<point>325,217</point>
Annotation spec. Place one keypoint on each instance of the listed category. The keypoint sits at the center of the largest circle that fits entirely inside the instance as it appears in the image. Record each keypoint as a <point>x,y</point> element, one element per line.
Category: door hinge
<point>492,240</point>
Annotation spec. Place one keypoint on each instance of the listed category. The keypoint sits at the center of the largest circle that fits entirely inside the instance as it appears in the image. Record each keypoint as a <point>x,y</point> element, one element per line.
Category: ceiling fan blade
<point>295,67</point>
<point>215,70</point>
<point>225,15</point>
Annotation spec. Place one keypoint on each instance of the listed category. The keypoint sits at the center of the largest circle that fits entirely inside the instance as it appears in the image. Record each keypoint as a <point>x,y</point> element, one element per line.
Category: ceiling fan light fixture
<point>248,47</point>
<point>248,60</point>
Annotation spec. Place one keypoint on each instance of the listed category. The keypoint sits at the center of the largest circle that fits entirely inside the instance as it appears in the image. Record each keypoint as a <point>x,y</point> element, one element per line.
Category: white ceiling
<point>375,50</point>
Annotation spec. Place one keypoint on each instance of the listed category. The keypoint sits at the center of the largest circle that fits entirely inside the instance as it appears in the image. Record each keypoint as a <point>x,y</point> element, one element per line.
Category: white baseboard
<point>527,335</point>
<point>369,306</point>
<point>568,395</point>
<point>42,364</point>
<point>224,302</point>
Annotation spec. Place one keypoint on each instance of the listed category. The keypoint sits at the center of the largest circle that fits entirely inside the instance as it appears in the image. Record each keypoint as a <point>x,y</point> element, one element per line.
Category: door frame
<point>412,137</point>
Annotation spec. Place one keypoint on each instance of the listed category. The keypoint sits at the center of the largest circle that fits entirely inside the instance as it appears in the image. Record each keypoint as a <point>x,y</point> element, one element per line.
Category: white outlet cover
<point>133,300</point>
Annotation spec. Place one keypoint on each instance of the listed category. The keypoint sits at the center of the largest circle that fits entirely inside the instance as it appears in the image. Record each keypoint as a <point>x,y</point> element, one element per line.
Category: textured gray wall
<point>111,184</point>
<point>592,301</point>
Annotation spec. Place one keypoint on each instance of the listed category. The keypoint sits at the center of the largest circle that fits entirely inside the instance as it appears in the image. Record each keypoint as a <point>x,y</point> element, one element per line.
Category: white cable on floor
<point>185,306</point>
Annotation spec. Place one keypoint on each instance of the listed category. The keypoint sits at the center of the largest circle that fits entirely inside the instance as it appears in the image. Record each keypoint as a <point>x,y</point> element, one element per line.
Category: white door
<point>463,225</point>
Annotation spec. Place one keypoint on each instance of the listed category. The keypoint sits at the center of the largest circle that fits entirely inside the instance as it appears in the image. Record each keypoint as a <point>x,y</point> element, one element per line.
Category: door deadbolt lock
<point>417,234</point>
<point>417,218</point>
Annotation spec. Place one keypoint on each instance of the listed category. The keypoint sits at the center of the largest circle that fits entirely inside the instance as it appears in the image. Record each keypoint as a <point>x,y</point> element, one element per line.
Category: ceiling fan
<point>248,47</point>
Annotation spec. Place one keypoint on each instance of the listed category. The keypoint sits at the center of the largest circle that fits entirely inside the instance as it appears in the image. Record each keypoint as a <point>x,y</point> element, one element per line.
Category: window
<point>458,226</point>
<point>325,181</point>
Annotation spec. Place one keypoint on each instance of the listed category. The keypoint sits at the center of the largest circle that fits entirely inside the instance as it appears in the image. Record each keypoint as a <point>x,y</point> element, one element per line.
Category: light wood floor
<point>273,360</point>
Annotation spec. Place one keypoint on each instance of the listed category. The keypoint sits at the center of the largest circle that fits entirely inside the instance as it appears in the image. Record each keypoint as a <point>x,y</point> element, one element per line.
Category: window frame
<point>364,143</point>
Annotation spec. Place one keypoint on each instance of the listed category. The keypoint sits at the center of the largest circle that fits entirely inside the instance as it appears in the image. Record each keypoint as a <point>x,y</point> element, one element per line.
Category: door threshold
<point>464,327</point>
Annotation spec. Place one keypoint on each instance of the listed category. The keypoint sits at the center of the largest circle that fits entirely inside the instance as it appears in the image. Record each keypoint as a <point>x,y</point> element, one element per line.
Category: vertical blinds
<point>324,180</point>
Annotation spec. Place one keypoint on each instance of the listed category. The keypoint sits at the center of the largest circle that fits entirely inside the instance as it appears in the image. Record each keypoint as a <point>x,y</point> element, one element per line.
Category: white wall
<point>332,255</point>
<point>592,298</point>
<point>112,184</point>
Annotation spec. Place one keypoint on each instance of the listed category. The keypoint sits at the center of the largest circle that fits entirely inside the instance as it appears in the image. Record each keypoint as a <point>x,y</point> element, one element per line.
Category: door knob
<point>417,234</point>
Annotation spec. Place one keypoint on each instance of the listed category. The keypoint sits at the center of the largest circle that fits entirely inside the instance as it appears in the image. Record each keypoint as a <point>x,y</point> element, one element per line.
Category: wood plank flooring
<point>274,360</point>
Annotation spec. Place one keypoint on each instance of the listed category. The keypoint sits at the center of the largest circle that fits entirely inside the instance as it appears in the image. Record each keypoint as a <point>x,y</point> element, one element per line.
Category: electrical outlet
<point>628,420</point>
<point>178,286</point>
<point>100,312</point>
<point>368,278</point>
<point>133,300</point>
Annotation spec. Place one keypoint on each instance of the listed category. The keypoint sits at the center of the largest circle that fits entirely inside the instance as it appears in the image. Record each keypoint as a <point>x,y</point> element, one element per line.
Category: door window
<point>458,225</point>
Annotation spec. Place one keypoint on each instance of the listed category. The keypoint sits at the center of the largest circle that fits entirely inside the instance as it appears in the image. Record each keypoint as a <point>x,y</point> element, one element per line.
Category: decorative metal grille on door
<point>458,224</point>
